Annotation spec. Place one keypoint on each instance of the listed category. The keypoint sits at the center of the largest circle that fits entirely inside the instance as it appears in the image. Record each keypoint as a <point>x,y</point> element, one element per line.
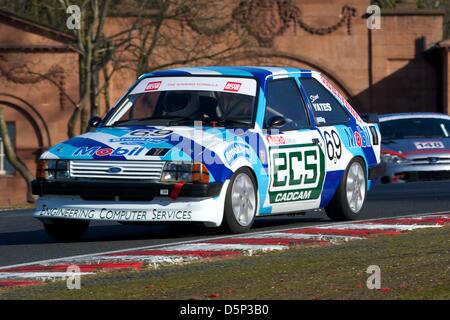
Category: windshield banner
<point>234,85</point>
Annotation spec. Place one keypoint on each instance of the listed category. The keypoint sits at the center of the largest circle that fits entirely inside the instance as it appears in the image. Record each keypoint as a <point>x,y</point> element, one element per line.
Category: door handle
<point>315,141</point>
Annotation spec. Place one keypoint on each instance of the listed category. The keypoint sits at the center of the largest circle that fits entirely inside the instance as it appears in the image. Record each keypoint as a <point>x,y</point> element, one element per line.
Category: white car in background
<point>415,146</point>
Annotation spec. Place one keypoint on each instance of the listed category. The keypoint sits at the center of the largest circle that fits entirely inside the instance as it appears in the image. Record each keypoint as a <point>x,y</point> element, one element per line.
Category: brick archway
<point>33,116</point>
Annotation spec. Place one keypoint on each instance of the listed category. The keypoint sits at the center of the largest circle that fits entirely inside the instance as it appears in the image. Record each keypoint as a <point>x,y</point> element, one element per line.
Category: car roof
<point>259,72</point>
<point>411,115</point>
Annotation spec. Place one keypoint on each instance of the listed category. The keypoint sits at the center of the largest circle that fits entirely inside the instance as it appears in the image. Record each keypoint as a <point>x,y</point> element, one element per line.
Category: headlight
<point>185,171</point>
<point>395,158</point>
<point>53,169</point>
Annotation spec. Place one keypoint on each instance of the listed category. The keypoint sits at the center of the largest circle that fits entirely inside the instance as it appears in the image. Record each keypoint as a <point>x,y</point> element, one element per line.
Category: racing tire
<point>350,196</point>
<point>66,230</point>
<point>241,202</point>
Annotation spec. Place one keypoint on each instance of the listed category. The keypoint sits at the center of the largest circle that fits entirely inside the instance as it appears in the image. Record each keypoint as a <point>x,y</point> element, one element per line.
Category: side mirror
<point>94,122</point>
<point>370,117</point>
<point>276,122</point>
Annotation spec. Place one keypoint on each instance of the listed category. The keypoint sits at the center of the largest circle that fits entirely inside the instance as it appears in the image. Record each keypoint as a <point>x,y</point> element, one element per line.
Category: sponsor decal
<point>322,107</point>
<point>218,84</point>
<point>74,213</point>
<point>157,152</point>
<point>359,138</point>
<point>155,214</point>
<point>235,151</point>
<point>232,86</point>
<point>293,196</point>
<point>276,140</point>
<point>142,136</point>
<point>150,133</point>
<point>117,214</point>
<point>297,173</point>
<point>313,98</point>
<point>153,86</point>
<point>132,141</point>
<point>103,152</point>
<point>342,99</point>
<point>320,120</point>
<point>375,138</point>
<point>167,214</point>
<point>429,145</point>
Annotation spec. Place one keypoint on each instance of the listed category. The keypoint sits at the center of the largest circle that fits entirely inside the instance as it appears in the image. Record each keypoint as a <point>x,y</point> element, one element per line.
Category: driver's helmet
<point>180,104</point>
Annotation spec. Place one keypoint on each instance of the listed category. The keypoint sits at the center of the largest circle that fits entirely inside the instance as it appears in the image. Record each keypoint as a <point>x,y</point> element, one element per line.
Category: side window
<point>326,109</point>
<point>284,99</point>
<point>5,166</point>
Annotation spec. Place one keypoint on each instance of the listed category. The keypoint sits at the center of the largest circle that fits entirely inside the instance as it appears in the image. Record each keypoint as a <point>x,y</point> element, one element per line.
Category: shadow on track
<point>382,201</point>
<point>117,232</point>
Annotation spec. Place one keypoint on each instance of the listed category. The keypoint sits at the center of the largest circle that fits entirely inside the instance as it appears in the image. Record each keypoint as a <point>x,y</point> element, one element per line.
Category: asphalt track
<point>23,240</point>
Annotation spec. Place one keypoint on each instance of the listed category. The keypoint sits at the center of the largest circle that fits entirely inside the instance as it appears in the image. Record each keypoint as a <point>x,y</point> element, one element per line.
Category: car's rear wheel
<point>240,202</point>
<point>66,229</point>
<point>349,198</point>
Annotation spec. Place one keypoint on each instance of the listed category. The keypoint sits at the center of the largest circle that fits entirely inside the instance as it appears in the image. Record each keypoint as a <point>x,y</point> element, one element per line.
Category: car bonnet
<point>143,143</point>
<point>418,147</point>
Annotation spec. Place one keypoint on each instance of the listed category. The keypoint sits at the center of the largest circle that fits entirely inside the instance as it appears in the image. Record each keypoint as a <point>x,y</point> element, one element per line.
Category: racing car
<point>213,145</point>
<point>415,146</point>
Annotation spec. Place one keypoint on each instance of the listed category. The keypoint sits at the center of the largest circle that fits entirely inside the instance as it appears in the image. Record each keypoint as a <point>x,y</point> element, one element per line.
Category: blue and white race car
<point>216,145</point>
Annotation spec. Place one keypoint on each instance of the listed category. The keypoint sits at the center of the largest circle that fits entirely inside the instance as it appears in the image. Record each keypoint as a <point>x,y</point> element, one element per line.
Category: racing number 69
<point>334,145</point>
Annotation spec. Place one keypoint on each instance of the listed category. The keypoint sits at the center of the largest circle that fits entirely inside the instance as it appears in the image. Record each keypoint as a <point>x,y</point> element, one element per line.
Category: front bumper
<point>135,189</point>
<point>208,210</point>
<point>411,173</point>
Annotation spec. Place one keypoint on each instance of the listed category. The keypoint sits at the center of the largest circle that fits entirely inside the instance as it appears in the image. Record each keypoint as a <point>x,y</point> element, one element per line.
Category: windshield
<point>415,128</point>
<point>172,101</point>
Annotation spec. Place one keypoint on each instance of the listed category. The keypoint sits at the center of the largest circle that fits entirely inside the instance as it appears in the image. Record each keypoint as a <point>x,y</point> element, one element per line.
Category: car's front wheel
<point>349,198</point>
<point>240,202</point>
<point>66,229</point>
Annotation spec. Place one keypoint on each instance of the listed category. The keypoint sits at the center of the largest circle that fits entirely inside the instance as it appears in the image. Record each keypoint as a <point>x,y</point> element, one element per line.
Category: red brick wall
<point>445,56</point>
<point>403,77</point>
<point>33,105</point>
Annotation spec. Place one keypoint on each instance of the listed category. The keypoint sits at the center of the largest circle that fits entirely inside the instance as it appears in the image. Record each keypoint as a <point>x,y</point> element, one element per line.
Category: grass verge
<point>19,206</point>
<point>414,265</point>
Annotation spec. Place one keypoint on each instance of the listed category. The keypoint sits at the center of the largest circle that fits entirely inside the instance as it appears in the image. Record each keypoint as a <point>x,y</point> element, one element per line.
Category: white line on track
<point>50,261</point>
<point>224,246</point>
<point>140,258</point>
<point>418,219</point>
<point>285,235</point>
<point>40,275</point>
<point>374,226</point>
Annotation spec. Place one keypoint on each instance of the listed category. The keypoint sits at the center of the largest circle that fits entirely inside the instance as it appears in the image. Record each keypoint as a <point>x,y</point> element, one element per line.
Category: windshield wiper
<point>217,122</point>
<point>150,119</point>
<point>223,122</point>
<point>160,118</point>
<point>181,120</point>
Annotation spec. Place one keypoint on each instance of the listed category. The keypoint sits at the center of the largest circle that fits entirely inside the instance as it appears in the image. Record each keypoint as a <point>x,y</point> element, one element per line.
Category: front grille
<point>431,160</point>
<point>424,175</point>
<point>101,169</point>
